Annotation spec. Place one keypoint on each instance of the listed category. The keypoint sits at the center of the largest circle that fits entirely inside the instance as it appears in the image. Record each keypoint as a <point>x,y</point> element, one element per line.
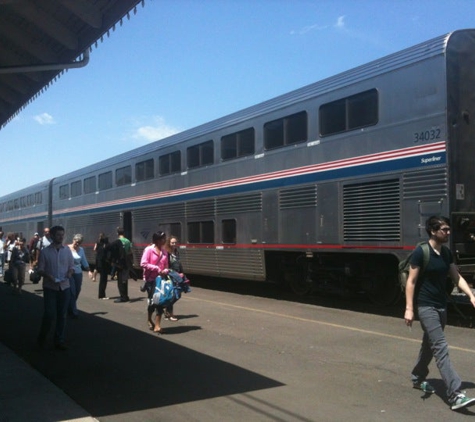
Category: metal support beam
<point>47,66</point>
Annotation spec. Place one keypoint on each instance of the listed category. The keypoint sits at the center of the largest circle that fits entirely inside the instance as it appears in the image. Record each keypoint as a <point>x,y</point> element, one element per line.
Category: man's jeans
<point>55,307</point>
<point>2,263</point>
<point>433,322</point>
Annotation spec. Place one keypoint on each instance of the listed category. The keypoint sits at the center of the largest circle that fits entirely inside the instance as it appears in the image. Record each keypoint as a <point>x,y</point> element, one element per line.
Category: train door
<point>127,224</point>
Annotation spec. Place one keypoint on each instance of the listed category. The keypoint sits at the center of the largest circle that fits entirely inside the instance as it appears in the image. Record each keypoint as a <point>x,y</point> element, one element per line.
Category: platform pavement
<point>26,395</point>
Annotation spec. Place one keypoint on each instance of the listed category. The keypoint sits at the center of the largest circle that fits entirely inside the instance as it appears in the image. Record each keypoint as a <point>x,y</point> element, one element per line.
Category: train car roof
<point>434,47</point>
<point>37,187</point>
<point>39,40</point>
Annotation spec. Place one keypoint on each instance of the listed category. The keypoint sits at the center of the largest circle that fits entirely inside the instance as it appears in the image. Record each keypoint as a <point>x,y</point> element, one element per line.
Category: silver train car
<point>325,188</point>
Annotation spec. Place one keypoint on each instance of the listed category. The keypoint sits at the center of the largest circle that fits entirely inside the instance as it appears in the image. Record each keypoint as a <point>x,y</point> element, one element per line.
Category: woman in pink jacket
<point>154,263</point>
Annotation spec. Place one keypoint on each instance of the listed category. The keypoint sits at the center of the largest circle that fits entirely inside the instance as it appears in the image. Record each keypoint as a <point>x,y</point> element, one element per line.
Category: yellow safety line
<point>328,324</point>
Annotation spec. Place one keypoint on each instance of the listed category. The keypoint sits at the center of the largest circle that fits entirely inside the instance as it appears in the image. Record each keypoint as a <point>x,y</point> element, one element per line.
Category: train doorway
<point>127,224</point>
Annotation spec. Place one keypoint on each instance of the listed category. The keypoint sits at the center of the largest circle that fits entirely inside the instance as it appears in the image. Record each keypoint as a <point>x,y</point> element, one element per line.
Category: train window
<point>64,192</point>
<point>286,131</point>
<point>123,176</point>
<point>23,202</point>
<point>200,155</point>
<point>201,232</point>
<point>228,231</point>
<point>90,184</point>
<point>38,198</point>
<point>105,181</point>
<point>30,200</point>
<point>349,113</point>
<point>238,144</point>
<point>169,163</point>
<point>16,204</point>
<point>76,189</point>
<point>145,170</point>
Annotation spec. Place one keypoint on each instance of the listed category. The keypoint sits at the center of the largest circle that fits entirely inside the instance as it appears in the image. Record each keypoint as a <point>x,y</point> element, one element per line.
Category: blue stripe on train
<point>341,173</point>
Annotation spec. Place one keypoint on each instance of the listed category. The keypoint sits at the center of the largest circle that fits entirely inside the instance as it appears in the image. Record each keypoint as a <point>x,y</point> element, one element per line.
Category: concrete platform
<point>26,395</point>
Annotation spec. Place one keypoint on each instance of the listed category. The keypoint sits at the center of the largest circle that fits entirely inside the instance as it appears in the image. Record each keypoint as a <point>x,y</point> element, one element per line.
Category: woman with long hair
<point>174,264</point>
<point>75,281</point>
<point>154,263</point>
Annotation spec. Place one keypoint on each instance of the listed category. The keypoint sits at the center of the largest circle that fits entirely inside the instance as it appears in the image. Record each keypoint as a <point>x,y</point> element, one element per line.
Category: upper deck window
<point>123,176</point>
<point>90,184</point>
<point>349,113</point>
<point>169,163</point>
<point>145,170</point>
<point>38,198</point>
<point>200,155</point>
<point>238,144</point>
<point>64,192</point>
<point>286,131</point>
<point>105,181</point>
<point>76,189</point>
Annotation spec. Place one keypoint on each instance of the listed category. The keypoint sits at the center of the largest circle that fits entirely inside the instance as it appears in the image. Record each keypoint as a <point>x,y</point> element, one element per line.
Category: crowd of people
<point>61,267</point>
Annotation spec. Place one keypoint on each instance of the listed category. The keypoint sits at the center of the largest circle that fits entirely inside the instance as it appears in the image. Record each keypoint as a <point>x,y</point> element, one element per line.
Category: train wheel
<point>384,289</point>
<point>299,280</point>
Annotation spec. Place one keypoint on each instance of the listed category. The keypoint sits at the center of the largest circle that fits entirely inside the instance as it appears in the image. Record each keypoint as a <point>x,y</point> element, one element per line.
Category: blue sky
<point>177,64</point>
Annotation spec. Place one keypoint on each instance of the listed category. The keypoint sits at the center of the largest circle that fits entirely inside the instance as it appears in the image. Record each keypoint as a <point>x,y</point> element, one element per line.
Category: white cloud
<point>44,119</point>
<point>308,28</point>
<point>340,22</point>
<point>158,129</point>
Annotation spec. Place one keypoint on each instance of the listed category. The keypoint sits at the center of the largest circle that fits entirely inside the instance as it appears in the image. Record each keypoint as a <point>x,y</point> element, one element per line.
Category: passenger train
<point>325,188</point>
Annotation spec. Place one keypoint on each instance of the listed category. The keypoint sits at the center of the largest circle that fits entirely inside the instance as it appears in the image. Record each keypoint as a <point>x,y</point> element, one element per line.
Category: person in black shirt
<point>20,257</point>
<point>430,298</point>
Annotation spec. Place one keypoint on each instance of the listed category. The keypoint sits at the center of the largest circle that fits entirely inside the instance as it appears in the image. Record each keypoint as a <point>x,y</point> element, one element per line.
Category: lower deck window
<point>201,232</point>
<point>228,231</point>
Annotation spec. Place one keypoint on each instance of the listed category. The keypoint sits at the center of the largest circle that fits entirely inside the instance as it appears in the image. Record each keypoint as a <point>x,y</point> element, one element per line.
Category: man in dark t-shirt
<point>426,289</point>
<point>432,283</point>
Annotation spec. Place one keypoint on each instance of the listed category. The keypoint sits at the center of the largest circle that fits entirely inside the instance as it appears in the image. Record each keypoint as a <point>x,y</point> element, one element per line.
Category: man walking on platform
<point>426,294</point>
<point>122,259</point>
<point>55,265</point>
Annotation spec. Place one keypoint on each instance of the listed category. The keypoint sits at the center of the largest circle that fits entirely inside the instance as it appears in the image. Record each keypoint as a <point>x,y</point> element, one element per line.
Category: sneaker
<point>104,298</point>
<point>424,386</point>
<point>459,400</point>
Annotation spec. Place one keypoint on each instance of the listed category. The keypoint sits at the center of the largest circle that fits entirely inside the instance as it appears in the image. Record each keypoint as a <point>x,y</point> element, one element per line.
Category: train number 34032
<point>427,135</point>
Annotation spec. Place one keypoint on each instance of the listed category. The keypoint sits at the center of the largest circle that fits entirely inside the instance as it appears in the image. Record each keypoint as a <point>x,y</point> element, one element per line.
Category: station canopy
<point>40,39</point>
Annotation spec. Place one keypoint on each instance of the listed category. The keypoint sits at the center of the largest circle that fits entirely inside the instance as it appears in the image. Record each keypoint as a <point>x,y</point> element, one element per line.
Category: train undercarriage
<point>341,274</point>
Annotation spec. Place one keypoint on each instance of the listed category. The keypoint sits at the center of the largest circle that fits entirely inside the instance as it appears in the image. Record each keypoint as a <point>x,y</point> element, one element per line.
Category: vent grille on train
<point>298,197</point>
<point>94,220</point>
<point>427,184</point>
<point>162,212</point>
<point>372,212</point>
<point>236,204</point>
<point>200,208</point>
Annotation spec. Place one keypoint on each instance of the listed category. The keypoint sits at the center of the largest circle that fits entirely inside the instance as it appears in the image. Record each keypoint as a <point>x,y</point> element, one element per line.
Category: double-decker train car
<point>26,211</point>
<point>326,187</point>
